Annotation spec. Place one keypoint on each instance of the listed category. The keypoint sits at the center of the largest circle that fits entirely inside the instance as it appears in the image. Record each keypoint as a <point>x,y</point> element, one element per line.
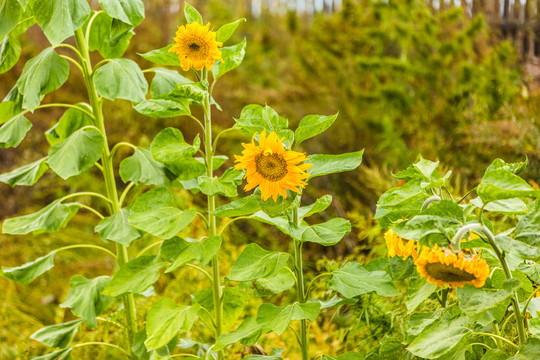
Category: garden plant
<point>475,255</point>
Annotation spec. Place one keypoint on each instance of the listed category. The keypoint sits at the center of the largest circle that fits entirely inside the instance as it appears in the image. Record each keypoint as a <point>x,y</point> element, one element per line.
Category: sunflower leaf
<point>128,11</point>
<point>192,15</point>
<point>232,57</point>
<point>121,79</point>
<point>256,263</point>
<point>226,31</point>
<point>26,175</point>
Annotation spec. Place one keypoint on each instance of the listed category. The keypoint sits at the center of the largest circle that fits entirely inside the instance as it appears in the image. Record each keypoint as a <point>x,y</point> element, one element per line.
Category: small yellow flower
<point>196,46</point>
<point>444,267</point>
<point>400,247</point>
<point>272,168</point>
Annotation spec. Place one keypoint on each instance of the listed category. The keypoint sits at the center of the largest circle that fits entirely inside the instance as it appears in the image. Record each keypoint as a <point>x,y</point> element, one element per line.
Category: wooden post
<point>518,24</point>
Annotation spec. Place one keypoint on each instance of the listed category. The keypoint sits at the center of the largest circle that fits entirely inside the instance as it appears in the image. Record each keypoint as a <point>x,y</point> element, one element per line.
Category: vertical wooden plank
<point>529,26</point>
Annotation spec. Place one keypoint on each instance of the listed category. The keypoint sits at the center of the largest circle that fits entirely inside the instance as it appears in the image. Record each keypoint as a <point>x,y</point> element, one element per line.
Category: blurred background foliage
<point>406,81</point>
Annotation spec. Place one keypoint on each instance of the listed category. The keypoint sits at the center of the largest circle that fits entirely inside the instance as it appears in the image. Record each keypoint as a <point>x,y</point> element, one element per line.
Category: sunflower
<point>444,267</point>
<point>271,167</point>
<point>400,247</point>
<point>196,46</point>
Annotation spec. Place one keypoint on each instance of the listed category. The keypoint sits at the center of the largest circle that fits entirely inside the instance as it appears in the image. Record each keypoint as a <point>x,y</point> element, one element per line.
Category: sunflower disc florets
<point>442,266</point>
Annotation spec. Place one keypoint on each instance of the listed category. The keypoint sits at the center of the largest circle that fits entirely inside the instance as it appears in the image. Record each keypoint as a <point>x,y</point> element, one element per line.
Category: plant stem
<point>108,174</point>
<point>300,287</point>
<point>502,258</point>
<point>212,226</point>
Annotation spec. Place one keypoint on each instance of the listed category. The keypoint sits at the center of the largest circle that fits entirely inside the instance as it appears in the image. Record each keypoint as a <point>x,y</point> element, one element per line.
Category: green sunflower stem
<point>108,175</point>
<point>300,287</point>
<point>212,223</point>
<point>502,258</point>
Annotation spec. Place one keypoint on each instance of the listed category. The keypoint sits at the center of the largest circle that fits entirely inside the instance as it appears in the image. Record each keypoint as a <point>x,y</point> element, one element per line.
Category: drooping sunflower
<point>400,247</point>
<point>196,46</point>
<point>271,167</point>
<point>442,266</point>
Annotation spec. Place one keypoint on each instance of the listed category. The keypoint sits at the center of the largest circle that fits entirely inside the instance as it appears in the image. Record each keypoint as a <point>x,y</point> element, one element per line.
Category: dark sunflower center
<point>272,167</point>
<point>194,47</point>
<point>448,273</point>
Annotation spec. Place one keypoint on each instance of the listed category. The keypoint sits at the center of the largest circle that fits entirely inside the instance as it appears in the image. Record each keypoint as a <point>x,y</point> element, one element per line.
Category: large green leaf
<point>128,11</point>
<point>347,356</point>
<point>58,335</point>
<point>53,217</point>
<point>28,272</point>
<point>141,168</point>
<point>247,334</point>
<point>10,14</point>
<point>163,108</point>
<point>169,146</point>
<point>225,31</point>
<point>187,250</point>
<point>10,51</point>
<point>529,350</point>
<point>135,276</point>
<point>71,121</point>
<point>165,80</point>
<point>244,206</point>
<point>165,319</point>
<point>155,213</point>
<point>474,301</point>
<point>85,298</point>
<point>331,164</point>
<point>117,228</point>
<point>527,231</point>
<point>419,290</point>
<point>121,79</point>
<point>26,175</point>
<point>192,15</point>
<point>508,206</point>
<point>62,354</point>
<point>281,206</point>
<point>41,75</point>
<point>319,205</point>
<point>501,184</point>
<point>353,280</point>
<point>233,302</point>
<point>328,233</point>
<point>256,263</point>
<point>400,202</point>
<point>232,57</point>
<point>255,118</point>
<point>162,57</point>
<point>108,38</point>
<point>439,222</point>
<point>225,185</point>
<point>77,153</point>
<point>280,282</point>
<point>312,125</point>
<point>447,331</point>
<point>60,18</point>
<point>277,319</point>
<point>14,131</point>
<point>275,354</point>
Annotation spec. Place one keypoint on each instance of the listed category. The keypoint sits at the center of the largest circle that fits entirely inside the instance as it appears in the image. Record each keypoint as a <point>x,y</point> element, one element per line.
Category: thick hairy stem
<point>108,175</point>
<point>212,225</point>
<point>502,258</point>
<point>300,287</point>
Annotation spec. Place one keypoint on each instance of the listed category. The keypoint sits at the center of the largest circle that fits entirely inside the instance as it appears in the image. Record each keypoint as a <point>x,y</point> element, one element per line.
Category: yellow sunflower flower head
<point>400,247</point>
<point>271,167</point>
<point>196,46</point>
<point>444,267</point>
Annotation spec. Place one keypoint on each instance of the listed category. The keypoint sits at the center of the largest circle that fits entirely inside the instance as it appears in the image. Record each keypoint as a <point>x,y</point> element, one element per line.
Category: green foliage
<point>53,217</point>
<point>42,75</point>
<point>117,228</point>
<point>28,272</point>
<point>86,299</point>
<point>165,319</point>
<point>121,79</point>
<point>59,335</point>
